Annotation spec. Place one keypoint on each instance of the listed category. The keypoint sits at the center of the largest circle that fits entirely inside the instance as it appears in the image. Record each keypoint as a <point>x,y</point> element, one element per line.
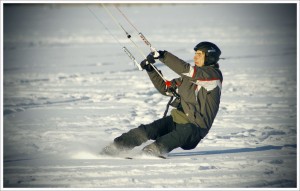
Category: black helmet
<point>212,52</point>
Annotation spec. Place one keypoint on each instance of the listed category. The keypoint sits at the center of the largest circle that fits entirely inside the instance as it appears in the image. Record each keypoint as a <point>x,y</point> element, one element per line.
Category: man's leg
<point>186,136</point>
<point>135,137</point>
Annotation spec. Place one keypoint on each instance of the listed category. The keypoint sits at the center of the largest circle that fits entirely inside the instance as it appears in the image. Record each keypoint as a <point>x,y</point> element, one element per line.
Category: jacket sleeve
<point>177,65</point>
<point>157,81</point>
<point>160,84</point>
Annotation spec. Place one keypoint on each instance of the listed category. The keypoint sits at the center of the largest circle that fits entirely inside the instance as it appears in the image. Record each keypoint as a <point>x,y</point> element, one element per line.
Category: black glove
<point>158,54</point>
<point>151,58</point>
<point>155,55</point>
<point>145,63</point>
<point>146,66</point>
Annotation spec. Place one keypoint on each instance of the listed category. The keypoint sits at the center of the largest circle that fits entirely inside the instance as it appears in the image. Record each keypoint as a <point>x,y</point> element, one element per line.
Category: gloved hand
<point>146,66</point>
<point>155,55</point>
<point>151,58</point>
<point>145,63</point>
<point>158,54</point>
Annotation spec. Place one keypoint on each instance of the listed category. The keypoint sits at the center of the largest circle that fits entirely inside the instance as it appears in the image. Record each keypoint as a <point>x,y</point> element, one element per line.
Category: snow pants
<point>167,135</point>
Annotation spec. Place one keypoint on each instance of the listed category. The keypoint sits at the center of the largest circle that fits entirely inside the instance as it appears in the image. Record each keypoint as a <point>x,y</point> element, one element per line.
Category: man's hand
<point>155,55</point>
<point>151,58</point>
<point>158,54</point>
<point>146,66</point>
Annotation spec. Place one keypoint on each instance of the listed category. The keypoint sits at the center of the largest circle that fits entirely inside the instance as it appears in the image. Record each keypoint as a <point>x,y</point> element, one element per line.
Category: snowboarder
<point>197,92</point>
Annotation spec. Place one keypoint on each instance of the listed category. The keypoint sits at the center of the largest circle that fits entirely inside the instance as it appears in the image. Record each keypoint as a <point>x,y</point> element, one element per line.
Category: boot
<point>154,150</point>
<point>112,150</point>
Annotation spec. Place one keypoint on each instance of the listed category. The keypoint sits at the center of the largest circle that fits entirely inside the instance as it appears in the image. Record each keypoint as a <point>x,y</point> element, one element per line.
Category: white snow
<point>69,90</point>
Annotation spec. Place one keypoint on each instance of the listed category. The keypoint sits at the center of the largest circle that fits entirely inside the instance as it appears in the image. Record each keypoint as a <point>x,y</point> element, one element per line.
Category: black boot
<point>113,149</point>
<point>154,149</point>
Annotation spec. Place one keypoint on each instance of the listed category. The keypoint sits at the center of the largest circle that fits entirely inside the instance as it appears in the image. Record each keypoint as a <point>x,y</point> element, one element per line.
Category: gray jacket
<point>199,89</point>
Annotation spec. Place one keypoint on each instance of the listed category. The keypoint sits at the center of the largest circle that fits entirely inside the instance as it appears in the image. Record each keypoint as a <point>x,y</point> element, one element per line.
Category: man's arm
<point>177,65</point>
<point>157,81</point>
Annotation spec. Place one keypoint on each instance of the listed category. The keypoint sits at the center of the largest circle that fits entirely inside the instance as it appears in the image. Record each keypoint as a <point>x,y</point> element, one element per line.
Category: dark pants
<point>166,134</point>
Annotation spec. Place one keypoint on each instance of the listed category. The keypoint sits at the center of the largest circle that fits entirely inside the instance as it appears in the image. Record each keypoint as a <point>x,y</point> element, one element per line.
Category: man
<point>197,92</point>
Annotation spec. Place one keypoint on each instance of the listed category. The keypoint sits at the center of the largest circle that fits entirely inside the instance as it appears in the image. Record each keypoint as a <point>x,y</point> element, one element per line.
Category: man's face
<point>199,58</point>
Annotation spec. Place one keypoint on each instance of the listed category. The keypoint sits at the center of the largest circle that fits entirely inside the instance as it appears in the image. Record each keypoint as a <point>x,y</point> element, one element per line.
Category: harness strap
<point>167,107</point>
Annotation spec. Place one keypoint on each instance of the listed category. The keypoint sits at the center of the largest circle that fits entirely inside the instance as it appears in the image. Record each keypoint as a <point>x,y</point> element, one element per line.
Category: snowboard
<point>112,151</point>
<point>131,156</point>
<point>136,157</point>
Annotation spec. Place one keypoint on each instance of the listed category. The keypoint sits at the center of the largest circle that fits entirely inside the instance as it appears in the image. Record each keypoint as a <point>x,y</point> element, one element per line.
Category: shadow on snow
<point>231,151</point>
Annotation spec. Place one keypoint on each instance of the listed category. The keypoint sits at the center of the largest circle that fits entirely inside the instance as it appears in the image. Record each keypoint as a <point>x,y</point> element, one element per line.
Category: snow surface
<point>69,90</point>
